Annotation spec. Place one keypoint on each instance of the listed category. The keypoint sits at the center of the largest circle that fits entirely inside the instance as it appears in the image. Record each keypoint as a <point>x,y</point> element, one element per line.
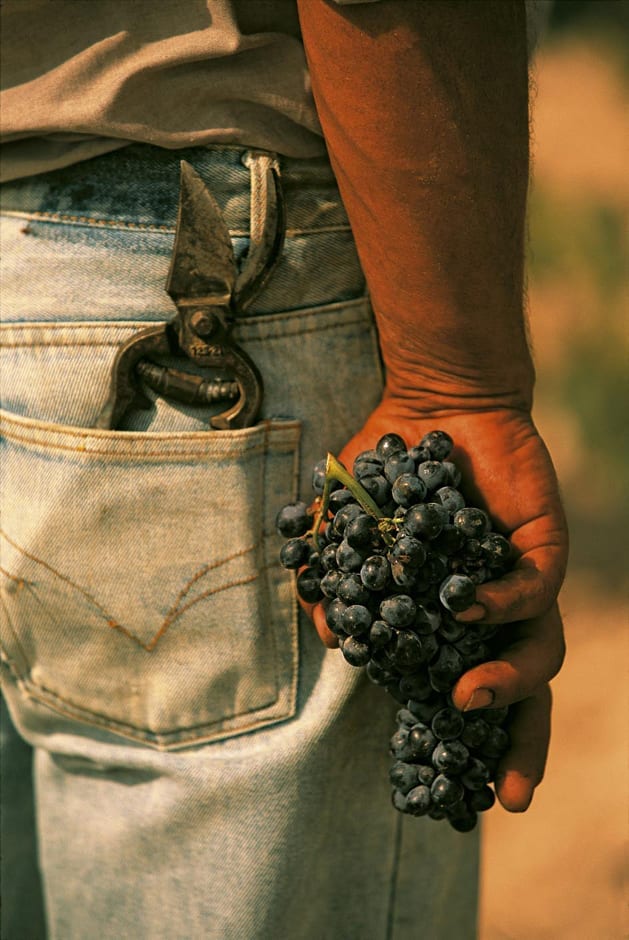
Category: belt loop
<point>266,226</point>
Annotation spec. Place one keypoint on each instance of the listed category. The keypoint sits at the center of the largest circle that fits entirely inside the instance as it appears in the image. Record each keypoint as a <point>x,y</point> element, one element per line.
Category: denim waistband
<point>138,186</point>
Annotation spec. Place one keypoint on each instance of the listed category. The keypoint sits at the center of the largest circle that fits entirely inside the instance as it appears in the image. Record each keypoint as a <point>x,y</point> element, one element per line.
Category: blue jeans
<point>204,768</point>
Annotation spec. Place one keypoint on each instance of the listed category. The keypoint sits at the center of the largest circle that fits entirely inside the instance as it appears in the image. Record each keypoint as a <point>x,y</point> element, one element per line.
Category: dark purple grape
<point>426,520</point>
<point>482,800</point>
<point>399,801</point>
<point>432,474</point>
<point>403,776</point>
<point>404,577</point>
<point>378,488</point>
<point>380,634</point>
<point>457,592</point>
<point>450,498</point>
<point>418,801</point>
<point>375,572</point>
<point>345,515</point>
<point>309,585</point>
<point>451,630</point>
<point>425,710</point>
<point>294,553</point>
<point>450,757</point>
<point>419,454</point>
<point>445,791</point>
<point>416,686</point>
<point>496,743</point>
<point>462,817</point>
<point>439,443</point>
<point>473,523</point>
<point>327,559</point>
<point>426,774</point>
<point>405,718</point>
<point>355,652</point>
<point>390,444</point>
<point>496,716</point>
<point>348,558</point>
<point>397,464</point>
<point>496,549</point>
<point>351,590</point>
<point>454,474</point>
<point>293,520</point>
<point>436,568</point>
<point>399,746</point>
<point>421,743</point>
<point>367,468</point>
<point>446,669</point>
<point>398,610</point>
<point>408,652</point>
<point>338,499</point>
<point>476,775</point>
<point>356,620</point>
<point>448,724</point>
<point>362,532</point>
<point>474,732</point>
<point>330,582</point>
<point>409,551</point>
<point>408,490</point>
<point>449,541</point>
<point>334,615</point>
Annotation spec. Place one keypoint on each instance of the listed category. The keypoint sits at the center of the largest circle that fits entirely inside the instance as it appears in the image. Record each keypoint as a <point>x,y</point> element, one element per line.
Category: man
<point>273,824</point>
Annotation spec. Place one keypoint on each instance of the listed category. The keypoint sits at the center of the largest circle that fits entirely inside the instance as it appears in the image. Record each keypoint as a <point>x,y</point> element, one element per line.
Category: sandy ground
<point>559,871</point>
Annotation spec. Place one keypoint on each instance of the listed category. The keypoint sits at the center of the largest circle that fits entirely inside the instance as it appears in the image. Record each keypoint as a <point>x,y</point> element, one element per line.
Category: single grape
<point>375,572</point>
<point>355,652</point>
<point>446,669</point>
<point>294,553</point>
<point>351,590</point>
<point>432,474</point>
<point>418,801</point>
<point>389,444</point>
<point>362,532</point>
<point>457,592</point>
<point>378,488</point>
<point>419,454</point>
<point>496,743</point>
<point>448,724</point>
<point>450,498</point>
<point>416,686</point>
<point>356,620</point>
<point>462,817</point>
<point>482,800</point>
<point>408,489</point>
<point>398,463</point>
<point>380,634</point>
<point>496,549</point>
<point>425,520</point>
<point>398,610</point>
<point>408,551</point>
<point>445,791</point>
<point>309,585</point>
<point>473,523</point>
<point>403,776</point>
<point>293,520</point>
<point>475,775</point>
<point>474,732</point>
<point>330,582</point>
<point>449,541</point>
<point>340,498</point>
<point>348,558</point>
<point>421,743</point>
<point>450,757</point>
<point>334,615</point>
<point>439,443</point>
<point>345,515</point>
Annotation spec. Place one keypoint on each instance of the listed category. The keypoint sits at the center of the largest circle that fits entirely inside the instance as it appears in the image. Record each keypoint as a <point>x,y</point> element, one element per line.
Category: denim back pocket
<point>141,590</point>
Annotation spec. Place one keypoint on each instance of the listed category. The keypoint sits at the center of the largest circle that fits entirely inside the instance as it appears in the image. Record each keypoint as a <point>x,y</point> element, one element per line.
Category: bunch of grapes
<point>396,552</point>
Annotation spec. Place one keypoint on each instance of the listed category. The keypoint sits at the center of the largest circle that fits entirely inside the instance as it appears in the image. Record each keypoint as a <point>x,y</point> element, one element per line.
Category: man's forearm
<point>424,107</point>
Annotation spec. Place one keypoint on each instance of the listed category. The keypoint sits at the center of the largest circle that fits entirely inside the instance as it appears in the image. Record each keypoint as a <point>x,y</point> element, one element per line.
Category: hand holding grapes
<point>507,471</point>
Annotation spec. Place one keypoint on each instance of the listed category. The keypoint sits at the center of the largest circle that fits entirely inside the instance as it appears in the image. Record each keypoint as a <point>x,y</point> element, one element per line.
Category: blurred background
<point>559,871</point>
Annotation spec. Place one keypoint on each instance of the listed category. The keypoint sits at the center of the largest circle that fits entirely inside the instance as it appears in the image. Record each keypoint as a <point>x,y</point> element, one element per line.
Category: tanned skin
<point>424,108</point>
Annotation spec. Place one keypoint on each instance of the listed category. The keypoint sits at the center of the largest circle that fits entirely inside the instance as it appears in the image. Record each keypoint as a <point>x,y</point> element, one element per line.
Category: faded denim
<point>203,767</point>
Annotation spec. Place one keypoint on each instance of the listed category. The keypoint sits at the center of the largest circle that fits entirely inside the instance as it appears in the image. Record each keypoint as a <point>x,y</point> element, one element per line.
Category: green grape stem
<point>334,470</point>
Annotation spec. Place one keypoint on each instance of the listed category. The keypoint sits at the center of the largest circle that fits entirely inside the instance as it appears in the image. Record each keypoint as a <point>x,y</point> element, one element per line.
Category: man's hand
<point>424,108</point>
<point>506,471</point>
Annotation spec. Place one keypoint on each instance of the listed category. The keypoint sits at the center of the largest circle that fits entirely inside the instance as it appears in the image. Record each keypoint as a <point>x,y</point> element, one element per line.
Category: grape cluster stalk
<point>395,552</point>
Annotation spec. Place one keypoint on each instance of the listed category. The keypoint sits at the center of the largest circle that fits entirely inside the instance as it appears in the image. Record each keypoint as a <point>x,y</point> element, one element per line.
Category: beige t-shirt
<point>84,77</point>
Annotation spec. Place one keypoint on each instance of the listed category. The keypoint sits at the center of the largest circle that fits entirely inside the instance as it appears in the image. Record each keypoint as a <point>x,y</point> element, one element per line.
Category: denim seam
<point>144,734</point>
<point>153,226</point>
<point>175,611</point>
<point>111,343</point>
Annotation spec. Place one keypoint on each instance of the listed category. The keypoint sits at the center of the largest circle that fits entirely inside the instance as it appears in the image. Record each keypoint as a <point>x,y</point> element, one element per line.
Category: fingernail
<point>475,612</point>
<point>481,698</point>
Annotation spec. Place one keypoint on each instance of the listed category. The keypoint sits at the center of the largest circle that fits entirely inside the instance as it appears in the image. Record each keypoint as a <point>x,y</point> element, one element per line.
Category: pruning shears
<point>209,294</point>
